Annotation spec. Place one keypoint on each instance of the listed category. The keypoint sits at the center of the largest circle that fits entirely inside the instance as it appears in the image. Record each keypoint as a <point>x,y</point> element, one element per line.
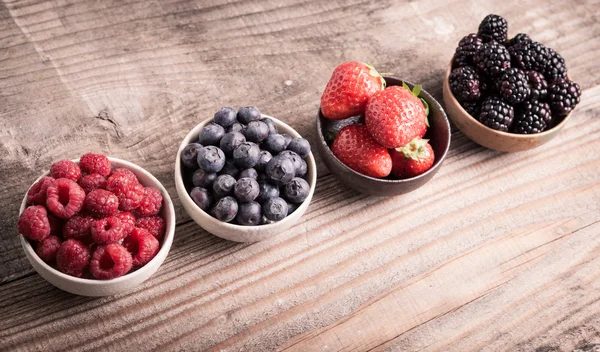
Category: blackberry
<point>529,56</point>
<point>492,59</point>
<point>466,49</point>
<point>496,114</point>
<point>532,117</point>
<point>563,96</point>
<point>538,85</point>
<point>518,39</point>
<point>464,83</point>
<point>555,67</point>
<point>493,27</point>
<point>472,107</point>
<point>513,87</point>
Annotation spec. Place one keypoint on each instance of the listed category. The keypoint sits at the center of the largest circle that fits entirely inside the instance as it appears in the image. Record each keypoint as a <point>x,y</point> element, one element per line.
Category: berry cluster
<point>91,221</point>
<point>516,85</point>
<point>244,171</point>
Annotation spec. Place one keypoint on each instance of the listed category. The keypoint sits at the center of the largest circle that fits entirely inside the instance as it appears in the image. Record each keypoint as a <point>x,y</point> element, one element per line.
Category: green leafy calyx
<point>415,149</point>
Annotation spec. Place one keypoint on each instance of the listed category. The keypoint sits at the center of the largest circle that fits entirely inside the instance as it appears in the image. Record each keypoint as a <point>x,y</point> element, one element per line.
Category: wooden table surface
<point>499,252</point>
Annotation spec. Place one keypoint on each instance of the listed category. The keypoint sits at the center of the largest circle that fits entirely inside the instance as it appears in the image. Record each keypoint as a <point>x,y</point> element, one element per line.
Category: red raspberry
<point>46,249</point>
<point>126,172</point>
<point>142,246</point>
<point>65,198</point>
<point>95,164</point>
<point>56,225</point>
<point>127,220</point>
<point>65,169</point>
<point>37,192</point>
<point>151,203</point>
<point>33,223</point>
<point>130,193</point>
<point>79,227</point>
<point>72,257</point>
<point>108,230</point>
<point>154,224</point>
<point>110,261</point>
<point>101,203</point>
<point>92,182</point>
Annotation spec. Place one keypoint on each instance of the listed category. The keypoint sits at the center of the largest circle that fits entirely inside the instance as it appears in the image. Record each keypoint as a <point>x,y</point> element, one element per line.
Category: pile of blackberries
<point>242,170</point>
<point>515,85</point>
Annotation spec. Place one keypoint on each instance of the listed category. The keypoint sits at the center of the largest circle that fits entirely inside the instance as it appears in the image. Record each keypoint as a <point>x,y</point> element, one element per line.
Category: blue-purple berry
<point>271,124</point>
<point>189,155</point>
<point>300,146</point>
<point>230,141</point>
<point>275,144</point>
<point>202,178</point>
<point>211,159</point>
<point>225,117</point>
<point>223,185</point>
<point>296,191</point>
<point>275,209</point>
<point>225,209</point>
<point>256,131</point>
<point>246,189</point>
<point>249,214</point>
<point>251,173</point>
<point>246,155</point>
<point>201,197</point>
<point>267,191</point>
<point>280,170</point>
<point>211,134</point>
<point>247,114</point>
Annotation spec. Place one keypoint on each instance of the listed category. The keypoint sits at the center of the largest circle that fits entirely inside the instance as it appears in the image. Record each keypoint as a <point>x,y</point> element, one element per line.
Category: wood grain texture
<point>499,252</point>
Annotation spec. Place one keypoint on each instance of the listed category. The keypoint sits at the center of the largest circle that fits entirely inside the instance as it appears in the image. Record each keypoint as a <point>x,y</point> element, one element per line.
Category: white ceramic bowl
<point>239,233</point>
<point>90,287</point>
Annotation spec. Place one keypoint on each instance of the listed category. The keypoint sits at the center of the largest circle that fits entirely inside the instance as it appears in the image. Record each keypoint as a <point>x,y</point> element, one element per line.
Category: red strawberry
<point>355,148</point>
<point>349,89</point>
<point>395,116</point>
<point>413,159</point>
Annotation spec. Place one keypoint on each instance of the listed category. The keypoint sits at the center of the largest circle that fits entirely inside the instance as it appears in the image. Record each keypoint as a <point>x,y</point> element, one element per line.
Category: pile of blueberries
<point>244,171</point>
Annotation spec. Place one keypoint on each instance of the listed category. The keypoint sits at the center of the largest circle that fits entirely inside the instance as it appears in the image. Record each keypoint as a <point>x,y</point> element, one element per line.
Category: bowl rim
<point>165,247</point>
<point>310,163</point>
<point>438,160</point>
<point>549,131</point>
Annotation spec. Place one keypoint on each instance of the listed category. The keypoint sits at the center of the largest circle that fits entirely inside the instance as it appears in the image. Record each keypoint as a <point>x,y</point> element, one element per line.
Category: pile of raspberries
<point>91,221</point>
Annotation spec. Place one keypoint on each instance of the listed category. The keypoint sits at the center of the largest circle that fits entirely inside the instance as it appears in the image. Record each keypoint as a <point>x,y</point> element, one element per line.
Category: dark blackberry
<point>492,59</point>
<point>464,83</point>
<point>513,86</point>
<point>493,27</point>
<point>538,85</point>
<point>466,49</point>
<point>563,96</point>
<point>472,107</point>
<point>529,56</point>
<point>532,117</point>
<point>518,39</point>
<point>496,114</point>
<point>555,67</point>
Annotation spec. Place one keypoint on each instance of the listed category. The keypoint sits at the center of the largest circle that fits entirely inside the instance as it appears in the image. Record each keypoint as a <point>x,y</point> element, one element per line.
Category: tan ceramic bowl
<point>233,232</point>
<point>490,138</point>
<point>96,288</point>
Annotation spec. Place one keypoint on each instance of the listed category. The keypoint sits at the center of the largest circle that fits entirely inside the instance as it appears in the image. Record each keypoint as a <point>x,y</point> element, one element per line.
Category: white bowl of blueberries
<point>245,176</point>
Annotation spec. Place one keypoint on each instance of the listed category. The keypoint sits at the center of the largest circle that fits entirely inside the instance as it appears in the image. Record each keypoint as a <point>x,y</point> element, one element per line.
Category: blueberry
<point>267,191</point>
<point>263,159</point>
<point>300,166</point>
<point>236,127</point>
<point>230,141</point>
<point>300,146</point>
<point>189,155</point>
<point>292,207</point>
<point>256,131</point>
<point>296,190</point>
<point>302,169</point>
<point>280,170</point>
<point>247,114</point>
<point>201,178</point>
<point>225,117</point>
<point>211,159</point>
<point>223,185</point>
<point>201,197</point>
<point>211,134</point>
<point>275,209</point>
<point>249,214</point>
<point>246,155</point>
<point>271,124</point>
<point>274,144</point>
<point>288,139</point>
<point>246,189</point>
<point>225,209</point>
<point>251,172</point>
<point>230,169</point>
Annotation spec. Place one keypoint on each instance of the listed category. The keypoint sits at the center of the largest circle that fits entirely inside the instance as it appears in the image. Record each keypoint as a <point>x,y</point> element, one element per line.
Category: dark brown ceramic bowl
<point>439,137</point>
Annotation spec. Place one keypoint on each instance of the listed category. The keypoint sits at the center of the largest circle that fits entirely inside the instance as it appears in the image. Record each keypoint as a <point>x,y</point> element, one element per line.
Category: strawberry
<point>396,116</point>
<point>413,159</point>
<point>349,89</point>
<point>355,148</point>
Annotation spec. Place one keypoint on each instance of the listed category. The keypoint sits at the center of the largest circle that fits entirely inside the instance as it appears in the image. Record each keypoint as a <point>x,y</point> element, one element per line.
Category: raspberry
<point>127,220</point>
<point>65,169</point>
<point>154,224</point>
<point>65,198</point>
<point>46,249</point>
<point>151,203</point>
<point>110,261</point>
<point>101,203</point>
<point>142,246</point>
<point>108,230</point>
<point>129,192</point>
<point>79,227</point>
<point>33,223</point>
<point>56,225</point>
<point>72,258</point>
<point>95,164</point>
<point>92,182</point>
<point>126,172</point>
<point>37,192</point>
